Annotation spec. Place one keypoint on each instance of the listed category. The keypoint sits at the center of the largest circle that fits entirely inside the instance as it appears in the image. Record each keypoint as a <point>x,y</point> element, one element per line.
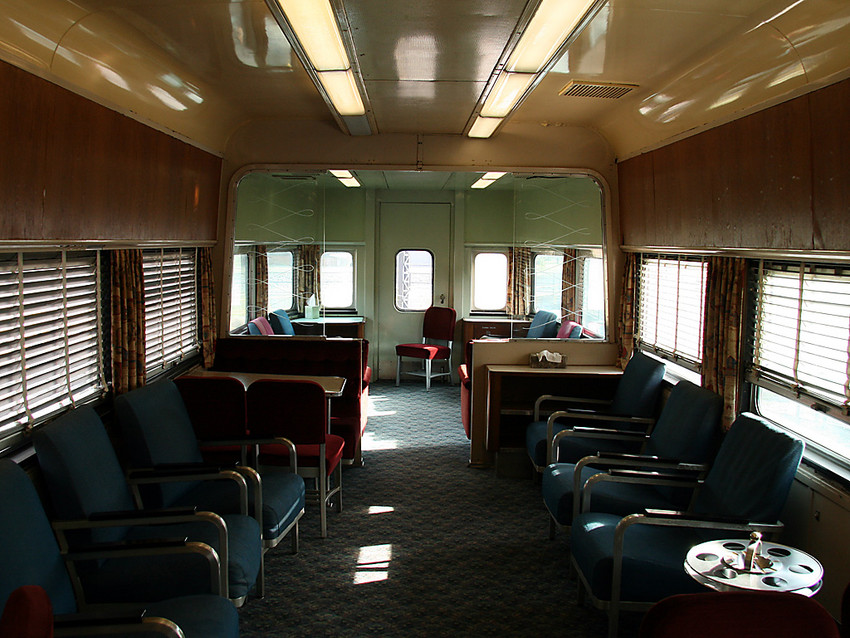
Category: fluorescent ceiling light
<point>345,177</point>
<point>315,25</point>
<point>484,126</point>
<point>486,179</point>
<point>506,92</point>
<point>342,91</point>
<point>551,25</point>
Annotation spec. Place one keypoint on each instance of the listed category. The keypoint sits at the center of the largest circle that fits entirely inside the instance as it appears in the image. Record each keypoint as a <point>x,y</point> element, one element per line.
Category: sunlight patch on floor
<point>373,564</point>
<point>380,509</point>
<point>370,443</point>
<point>374,406</point>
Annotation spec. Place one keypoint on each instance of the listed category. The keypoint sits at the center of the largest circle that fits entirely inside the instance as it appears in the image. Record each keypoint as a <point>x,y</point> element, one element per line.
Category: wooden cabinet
<point>352,327</point>
<point>501,327</point>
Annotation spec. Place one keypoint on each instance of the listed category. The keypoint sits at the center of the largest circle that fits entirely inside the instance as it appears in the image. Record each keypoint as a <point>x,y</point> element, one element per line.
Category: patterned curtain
<point>207,319</point>
<point>519,281</point>
<point>570,310</point>
<point>721,371</point>
<point>626,325</point>
<point>261,282</point>
<point>127,314</point>
<point>307,274</point>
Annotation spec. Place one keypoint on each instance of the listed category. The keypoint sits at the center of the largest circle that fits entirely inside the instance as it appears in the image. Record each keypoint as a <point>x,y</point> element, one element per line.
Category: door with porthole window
<point>413,273</point>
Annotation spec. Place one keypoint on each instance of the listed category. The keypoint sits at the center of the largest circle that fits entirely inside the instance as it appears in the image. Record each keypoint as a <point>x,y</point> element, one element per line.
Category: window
<point>671,300</point>
<point>414,280</point>
<point>280,281</point>
<point>547,280</point>
<point>336,279</point>
<point>50,336</point>
<point>801,348</point>
<point>171,308</point>
<point>593,295</point>
<point>490,281</point>
<point>239,292</point>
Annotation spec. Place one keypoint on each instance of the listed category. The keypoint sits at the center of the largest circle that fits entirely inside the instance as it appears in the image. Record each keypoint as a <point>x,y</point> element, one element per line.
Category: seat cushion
<point>308,455</point>
<point>423,351</point>
<point>570,448</point>
<point>199,616</point>
<point>653,558</point>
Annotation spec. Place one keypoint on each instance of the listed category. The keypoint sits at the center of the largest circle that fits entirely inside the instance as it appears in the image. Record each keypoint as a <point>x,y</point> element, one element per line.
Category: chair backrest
<point>638,389</point>
<point>82,471</point>
<point>157,430</point>
<point>543,326</point>
<point>29,554</point>
<point>752,472</point>
<point>570,330</point>
<point>215,405</point>
<point>295,409</point>
<point>280,323</point>
<point>27,614</point>
<point>260,326</point>
<point>439,324</point>
<point>688,428</point>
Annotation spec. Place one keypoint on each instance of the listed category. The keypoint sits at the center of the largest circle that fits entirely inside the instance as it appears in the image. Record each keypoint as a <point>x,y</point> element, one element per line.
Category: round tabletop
<point>719,565</point>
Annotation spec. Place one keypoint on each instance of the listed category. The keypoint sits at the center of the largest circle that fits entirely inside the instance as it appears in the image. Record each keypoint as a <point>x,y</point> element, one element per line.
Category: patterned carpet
<point>424,546</point>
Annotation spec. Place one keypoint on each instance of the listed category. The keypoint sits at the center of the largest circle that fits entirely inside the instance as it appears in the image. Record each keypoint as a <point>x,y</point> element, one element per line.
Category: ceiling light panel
<point>315,25</point>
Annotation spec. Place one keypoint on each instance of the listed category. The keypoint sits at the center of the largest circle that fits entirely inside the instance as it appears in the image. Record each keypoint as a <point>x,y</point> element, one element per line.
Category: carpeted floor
<point>424,546</point>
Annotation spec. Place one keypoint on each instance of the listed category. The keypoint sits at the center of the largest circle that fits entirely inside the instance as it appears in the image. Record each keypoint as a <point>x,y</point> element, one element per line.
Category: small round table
<point>719,565</point>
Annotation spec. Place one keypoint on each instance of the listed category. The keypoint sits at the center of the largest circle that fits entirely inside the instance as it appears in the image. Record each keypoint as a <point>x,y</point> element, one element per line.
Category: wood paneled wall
<point>71,169</point>
<point>778,179</point>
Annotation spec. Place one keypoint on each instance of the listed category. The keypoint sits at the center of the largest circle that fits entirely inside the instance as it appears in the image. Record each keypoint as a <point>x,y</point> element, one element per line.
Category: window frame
<point>396,279</point>
<point>474,255</point>
<point>352,307</point>
<point>534,279</point>
<point>675,356</point>
<point>293,292</point>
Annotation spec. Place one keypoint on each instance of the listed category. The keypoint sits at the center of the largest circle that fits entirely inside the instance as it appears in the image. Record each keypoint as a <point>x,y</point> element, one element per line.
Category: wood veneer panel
<point>24,103</point>
<point>762,186</point>
<point>637,199</point>
<point>830,121</point>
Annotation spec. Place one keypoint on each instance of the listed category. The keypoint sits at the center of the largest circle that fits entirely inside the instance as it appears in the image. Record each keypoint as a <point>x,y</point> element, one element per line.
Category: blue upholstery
<point>688,430</point>
<point>29,555</point>
<point>543,326</point>
<point>84,477</point>
<point>280,323</point>
<point>636,395</point>
<point>158,430</point>
<point>749,480</point>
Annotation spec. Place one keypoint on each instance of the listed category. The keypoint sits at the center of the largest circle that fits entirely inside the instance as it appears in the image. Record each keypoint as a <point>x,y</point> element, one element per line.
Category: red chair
<point>260,326</point>
<point>738,614</point>
<point>27,613</point>
<point>464,373</point>
<point>438,331</point>
<point>298,411</point>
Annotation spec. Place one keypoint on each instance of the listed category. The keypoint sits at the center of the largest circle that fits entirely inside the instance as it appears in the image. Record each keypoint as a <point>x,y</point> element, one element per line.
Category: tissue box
<point>547,360</point>
<point>311,312</point>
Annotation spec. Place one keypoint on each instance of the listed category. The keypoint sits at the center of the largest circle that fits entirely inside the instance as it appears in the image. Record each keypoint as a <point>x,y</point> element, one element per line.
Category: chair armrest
<point>593,433</point>
<point>127,515</point>
<point>643,477</point>
<point>544,398</point>
<point>180,472</point>
<point>113,623</point>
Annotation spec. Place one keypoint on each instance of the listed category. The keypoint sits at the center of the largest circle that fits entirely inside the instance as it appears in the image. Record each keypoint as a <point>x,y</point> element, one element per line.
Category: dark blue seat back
<point>280,323</point>
<point>29,554</point>
<point>157,430</point>
<point>638,389</point>
<point>81,470</point>
<point>543,326</point>
<point>688,428</point>
<point>752,472</point>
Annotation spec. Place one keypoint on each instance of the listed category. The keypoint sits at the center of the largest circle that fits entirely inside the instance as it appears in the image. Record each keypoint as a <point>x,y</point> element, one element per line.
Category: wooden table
<point>333,386</point>
<point>512,390</point>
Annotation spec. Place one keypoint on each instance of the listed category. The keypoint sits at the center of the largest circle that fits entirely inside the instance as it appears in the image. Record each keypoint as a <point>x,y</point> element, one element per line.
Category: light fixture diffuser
<point>552,24</point>
<point>507,91</point>
<point>342,91</point>
<point>484,126</point>
<point>315,25</point>
<point>487,178</point>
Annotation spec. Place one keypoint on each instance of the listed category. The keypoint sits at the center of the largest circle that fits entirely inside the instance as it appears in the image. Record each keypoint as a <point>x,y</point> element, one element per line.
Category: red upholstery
<point>570,330</point>
<point>423,351</point>
<point>263,325</point>
<point>216,407</point>
<point>464,373</point>
<point>27,614</point>
<point>744,614</point>
<point>310,356</point>
<point>439,325</point>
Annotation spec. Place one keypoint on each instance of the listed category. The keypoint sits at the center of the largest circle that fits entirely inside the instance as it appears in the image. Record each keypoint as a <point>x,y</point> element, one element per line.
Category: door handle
<point>442,299</point>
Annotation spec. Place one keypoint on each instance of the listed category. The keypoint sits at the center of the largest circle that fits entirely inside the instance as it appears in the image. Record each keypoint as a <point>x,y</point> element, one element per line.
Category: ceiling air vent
<point>609,90</point>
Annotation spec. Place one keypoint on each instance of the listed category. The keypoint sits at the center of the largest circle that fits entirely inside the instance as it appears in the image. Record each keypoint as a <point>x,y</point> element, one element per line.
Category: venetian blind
<point>171,307</point>
<point>802,330</point>
<point>671,302</point>
<point>50,338</point>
